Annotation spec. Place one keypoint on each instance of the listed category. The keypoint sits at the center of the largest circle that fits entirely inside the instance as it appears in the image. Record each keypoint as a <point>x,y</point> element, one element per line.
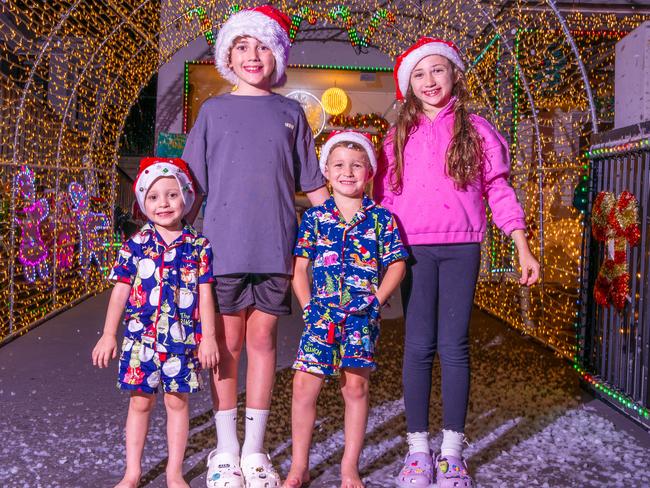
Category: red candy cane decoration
<point>204,20</point>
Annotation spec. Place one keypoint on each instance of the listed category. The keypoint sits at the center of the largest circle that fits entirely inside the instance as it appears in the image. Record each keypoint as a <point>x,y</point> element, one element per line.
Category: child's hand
<point>104,351</point>
<point>529,269</point>
<point>208,353</point>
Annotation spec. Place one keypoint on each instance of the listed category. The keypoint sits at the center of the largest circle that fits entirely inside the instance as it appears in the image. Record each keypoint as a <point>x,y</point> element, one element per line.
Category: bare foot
<point>296,478</point>
<point>351,479</point>
<point>129,481</point>
<point>176,481</point>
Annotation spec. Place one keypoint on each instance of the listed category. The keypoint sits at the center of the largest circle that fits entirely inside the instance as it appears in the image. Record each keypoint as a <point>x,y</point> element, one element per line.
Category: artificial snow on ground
<point>529,423</point>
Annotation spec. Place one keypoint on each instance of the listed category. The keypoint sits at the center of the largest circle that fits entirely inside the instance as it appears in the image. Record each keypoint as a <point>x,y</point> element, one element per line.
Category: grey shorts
<point>269,293</point>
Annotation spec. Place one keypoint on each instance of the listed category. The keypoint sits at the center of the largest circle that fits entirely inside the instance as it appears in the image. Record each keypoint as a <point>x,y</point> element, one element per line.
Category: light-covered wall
<point>366,96</point>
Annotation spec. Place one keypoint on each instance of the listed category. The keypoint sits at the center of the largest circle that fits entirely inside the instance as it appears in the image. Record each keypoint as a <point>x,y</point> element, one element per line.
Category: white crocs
<point>224,471</point>
<point>259,471</point>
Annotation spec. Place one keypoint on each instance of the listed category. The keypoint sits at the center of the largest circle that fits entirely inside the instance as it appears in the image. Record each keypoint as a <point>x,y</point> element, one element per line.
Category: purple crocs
<point>417,471</point>
<point>451,472</point>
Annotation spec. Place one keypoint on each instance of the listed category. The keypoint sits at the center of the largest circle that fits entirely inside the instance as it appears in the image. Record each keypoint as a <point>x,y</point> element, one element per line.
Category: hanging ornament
<point>615,222</point>
<point>335,101</point>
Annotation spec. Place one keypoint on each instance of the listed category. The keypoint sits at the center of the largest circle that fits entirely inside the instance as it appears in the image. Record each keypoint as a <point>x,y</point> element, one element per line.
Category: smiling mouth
<point>431,93</point>
<point>252,69</point>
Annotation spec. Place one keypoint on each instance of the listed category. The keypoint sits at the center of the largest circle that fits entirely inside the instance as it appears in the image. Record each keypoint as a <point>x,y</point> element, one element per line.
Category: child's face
<point>348,171</point>
<point>252,62</point>
<point>432,81</point>
<point>163,203</point>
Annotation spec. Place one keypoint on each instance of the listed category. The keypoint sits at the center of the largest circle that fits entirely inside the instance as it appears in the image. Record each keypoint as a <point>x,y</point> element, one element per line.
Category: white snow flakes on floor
<point>61,421</point>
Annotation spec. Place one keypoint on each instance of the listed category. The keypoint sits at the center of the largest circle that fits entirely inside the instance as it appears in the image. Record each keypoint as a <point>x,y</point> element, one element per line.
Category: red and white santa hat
<point>425,46</point>
<point>153,168</point>
<point>361,138</point>
<point>266,24</point>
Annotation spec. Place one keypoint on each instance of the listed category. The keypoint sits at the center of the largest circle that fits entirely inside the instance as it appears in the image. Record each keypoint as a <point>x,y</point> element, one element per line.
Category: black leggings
<point>438,293</point>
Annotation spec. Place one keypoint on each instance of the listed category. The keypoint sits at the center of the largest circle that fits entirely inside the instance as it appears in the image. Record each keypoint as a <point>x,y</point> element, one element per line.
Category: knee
<point>355,390</point>
<point>142,403</point>
<point>261,341</point>
<point>176,401</point>
<point>419,351</point>
<point>454,354</point>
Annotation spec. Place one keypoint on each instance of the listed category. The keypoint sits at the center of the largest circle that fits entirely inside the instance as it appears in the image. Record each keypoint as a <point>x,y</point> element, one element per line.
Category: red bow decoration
<point>615,222</point>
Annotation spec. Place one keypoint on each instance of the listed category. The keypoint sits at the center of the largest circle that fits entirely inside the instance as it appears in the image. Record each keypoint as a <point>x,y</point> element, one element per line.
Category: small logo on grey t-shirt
<point>289,125</point>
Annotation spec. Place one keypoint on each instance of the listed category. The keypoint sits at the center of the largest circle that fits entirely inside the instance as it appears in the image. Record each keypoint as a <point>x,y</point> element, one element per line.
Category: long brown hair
<point>465,152</point>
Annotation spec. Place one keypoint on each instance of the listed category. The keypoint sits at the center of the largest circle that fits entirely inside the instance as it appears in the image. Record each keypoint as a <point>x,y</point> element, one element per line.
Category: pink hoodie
<point>430,210</point>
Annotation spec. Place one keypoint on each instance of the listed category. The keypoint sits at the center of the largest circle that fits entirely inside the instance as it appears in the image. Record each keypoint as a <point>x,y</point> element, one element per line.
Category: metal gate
<point>616,347</point>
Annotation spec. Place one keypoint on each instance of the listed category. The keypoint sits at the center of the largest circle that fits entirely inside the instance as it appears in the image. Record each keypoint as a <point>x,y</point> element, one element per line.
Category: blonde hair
<point>355,146</point>
<point>465,152</point>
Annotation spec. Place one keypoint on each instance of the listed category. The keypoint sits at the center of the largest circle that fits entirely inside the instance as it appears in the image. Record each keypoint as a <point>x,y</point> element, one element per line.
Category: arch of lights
<point>71,70</point>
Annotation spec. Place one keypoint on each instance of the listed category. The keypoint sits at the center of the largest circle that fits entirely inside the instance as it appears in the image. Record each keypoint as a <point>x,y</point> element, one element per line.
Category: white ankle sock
<point>226,424</point>
<point>255,430</point>
<point>452,443</point>
<point>418,442</point>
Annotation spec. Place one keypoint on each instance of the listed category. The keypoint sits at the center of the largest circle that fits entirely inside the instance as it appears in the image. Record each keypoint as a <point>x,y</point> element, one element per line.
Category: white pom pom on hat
<point>361,138</point>
<point>266,24</point>
<point>425,46</point>
<point>152,168</point>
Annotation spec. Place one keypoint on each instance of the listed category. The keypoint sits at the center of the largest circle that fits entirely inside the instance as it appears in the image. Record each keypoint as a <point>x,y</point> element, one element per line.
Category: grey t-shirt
<point>249,155</point>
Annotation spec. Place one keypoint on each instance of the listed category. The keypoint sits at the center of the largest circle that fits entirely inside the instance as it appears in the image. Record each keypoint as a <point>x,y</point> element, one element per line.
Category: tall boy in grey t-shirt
<point>249,151</point>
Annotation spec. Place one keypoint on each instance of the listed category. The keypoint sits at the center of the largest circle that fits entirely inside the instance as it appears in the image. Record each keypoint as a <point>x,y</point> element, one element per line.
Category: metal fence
<point>616,348</point>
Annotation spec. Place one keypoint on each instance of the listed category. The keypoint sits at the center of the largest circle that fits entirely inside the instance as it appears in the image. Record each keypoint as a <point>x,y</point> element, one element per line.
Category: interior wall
<point>169,113</point>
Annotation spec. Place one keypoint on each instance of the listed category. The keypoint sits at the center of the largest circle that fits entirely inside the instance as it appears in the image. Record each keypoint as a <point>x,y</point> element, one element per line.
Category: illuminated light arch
<point>82,135</point>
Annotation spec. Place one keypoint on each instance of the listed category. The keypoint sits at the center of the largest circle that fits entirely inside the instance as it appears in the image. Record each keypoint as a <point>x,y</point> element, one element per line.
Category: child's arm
<point>208,350</point>
<point>300,281</point>
<point>528,263</point>
<point>392,278</point>
<point>318,196</point>
<point>106,347</point>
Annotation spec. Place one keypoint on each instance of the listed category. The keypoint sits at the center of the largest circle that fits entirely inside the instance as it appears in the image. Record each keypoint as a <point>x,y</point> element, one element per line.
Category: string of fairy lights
<point>70,72</point>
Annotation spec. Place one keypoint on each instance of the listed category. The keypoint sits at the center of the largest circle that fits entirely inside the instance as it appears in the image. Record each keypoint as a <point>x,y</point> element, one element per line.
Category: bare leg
<point>306,388</point>
<point>137,425</point>
<point>178,424</point>
<point>231,330</point>
<point>355,390</point>
<point>261,335</point>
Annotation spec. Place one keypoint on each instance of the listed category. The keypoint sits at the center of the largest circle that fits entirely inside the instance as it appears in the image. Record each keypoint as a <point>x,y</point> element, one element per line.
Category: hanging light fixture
<point>335,101</point>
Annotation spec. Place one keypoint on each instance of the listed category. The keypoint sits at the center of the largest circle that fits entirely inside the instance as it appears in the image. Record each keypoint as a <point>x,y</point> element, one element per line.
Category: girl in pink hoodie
<point>439,163</point>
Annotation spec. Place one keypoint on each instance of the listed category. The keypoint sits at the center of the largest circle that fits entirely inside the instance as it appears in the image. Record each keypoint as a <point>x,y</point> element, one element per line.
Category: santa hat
<point>425,46</point>
<point>266,24</point>
<point>153,168</point>
<point>361,138</point>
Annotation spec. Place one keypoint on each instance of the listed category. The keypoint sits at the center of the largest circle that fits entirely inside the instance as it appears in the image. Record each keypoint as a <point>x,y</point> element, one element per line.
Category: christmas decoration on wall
<point>91,227</point>
<point>335,101</point>
<point>312,107</point>
<point>305,12</point>
<point>342,13</point>
<point>32,252</point>
<point>615,221</point>
<point>204,20</point>
<point>361,121</point>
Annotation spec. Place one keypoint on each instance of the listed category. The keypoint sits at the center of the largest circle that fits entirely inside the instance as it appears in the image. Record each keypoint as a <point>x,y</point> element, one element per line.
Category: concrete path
<point>529,422</point>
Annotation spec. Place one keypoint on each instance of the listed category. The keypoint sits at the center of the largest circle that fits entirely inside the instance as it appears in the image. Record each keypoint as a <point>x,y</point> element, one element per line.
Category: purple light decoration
<point>32,252</point>
<point>90,226</point>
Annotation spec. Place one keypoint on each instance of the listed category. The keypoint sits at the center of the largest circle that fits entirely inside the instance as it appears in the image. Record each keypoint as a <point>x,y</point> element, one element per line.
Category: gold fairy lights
<point>92,68</point>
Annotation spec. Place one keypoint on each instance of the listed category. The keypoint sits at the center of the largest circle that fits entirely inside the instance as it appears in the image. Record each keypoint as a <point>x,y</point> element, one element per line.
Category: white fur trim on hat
<point>159,169</point>
<point>255,24</point>
<point>407,62</point>
<point>348,136</point>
